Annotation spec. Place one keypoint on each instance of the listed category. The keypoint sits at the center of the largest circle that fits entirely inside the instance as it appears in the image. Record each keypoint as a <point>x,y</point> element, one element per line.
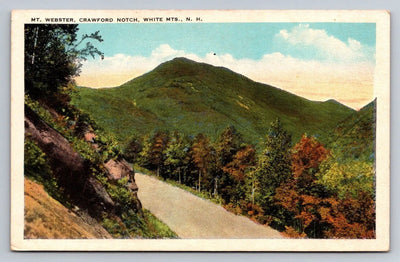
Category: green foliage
<point>128,223</point>
<point>120,193</point>
<point>227,145</point>
<point>354,137</point>
<point>350,170</point>
<point>156,228</point>
<point>197,98</point>
<point>274,166</point>
<point>133,149</point>
<point>53,57</point>
<point>40,110</point>
<point>37,168</point>
<point>202,194</point>
<point>350,178</point>
<point>152,155</point>
<point>132,225</point>
<point>34,158</point>
<point>176,156</point>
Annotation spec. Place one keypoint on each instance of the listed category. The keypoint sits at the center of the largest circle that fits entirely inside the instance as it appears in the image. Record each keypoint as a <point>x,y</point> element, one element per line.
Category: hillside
<point>45,217</point>
<point>354,137</point>
<point>77,184</point>
<point>194,97</point>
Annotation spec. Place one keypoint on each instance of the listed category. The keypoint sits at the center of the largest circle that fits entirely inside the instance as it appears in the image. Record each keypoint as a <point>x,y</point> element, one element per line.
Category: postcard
<point>200,130</point>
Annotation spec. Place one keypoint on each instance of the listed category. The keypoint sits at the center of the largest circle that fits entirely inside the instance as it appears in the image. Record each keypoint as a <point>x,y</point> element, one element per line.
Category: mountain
<point>354,137</point>
<point>195,97</point>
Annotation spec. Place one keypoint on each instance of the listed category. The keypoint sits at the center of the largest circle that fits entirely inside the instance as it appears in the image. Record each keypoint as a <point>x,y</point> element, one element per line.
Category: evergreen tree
<point>274,166</point>
<point>175,156</point>
<point>133,149</point>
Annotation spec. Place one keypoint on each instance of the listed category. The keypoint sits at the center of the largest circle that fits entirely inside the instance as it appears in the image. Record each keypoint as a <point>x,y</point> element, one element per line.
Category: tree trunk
<point>253,189</point>
<point>199,180</point>
<point>215,186</point>
<point>34,44</point>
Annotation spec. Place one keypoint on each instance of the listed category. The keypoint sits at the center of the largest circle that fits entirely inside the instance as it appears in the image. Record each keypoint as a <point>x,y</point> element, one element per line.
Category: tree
<point>201,154</point>
<point>144,155</point>
<point>313,201</point>
<point>159,144</point>
<point>152,155</point>
<point>133,149</point>
<point>227,145</point>
<point>175,155</point>
<point>274,166</point>
<point>242,163</point>
<point>53,56</point>
<point>347,178</point>
<point>301,194</point>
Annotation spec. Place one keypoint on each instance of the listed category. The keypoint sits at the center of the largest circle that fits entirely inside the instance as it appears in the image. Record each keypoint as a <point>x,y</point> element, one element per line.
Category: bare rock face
<point>90,136</point>
<point>52,143</point>
<point>119,169</point>
<point>72,171</point>
<point>116,169</point>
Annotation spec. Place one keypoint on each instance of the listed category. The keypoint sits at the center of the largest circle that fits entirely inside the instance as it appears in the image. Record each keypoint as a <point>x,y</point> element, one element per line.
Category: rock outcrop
<point>73,172</point>
<point>118,169</point>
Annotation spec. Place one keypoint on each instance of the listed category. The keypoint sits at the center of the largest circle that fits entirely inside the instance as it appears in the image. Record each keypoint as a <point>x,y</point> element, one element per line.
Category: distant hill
<point>354,137</point>
<point>195,97</point>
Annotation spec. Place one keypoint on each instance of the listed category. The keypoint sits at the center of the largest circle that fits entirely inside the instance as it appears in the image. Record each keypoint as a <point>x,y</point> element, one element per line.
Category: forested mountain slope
<point>195,97</point>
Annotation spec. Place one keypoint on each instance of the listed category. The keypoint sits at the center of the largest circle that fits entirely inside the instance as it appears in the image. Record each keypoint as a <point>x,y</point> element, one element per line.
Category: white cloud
<point>317,44</point>
<point>313,79</point>
<point>166,52</point>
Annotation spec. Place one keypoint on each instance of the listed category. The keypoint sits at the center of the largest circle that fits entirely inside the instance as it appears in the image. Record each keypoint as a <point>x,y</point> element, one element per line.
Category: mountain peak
<point>337,103</point>
<point>179,61</point>
<point>192,97</point>
<point>182,59</point>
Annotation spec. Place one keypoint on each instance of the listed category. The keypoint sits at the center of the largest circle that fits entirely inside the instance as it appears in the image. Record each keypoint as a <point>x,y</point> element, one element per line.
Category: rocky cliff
<point>74,176</point>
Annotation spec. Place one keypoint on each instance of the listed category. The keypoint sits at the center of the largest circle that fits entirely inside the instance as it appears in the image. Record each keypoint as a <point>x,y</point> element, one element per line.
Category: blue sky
<point>318,61</point>
<point>241,40</point>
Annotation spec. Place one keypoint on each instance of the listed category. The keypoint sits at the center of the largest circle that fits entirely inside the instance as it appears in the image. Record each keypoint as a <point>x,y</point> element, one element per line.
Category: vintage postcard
<point>202,130</point>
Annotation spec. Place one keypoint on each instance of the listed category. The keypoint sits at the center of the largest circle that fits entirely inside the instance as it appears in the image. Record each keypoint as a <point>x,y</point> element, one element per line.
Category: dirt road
<point>192,217</point>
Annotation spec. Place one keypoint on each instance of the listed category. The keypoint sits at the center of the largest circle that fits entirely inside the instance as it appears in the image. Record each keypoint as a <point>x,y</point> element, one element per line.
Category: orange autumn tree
<point>300,194</point>
<point>317,211</point>
<point>202,156</point>
<point>243,161</point>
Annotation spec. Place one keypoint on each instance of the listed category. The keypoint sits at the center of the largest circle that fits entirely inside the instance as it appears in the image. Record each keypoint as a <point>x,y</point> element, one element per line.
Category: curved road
<point>192,217</point>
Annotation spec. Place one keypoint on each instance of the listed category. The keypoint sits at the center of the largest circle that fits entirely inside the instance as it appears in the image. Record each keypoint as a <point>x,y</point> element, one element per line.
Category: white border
<point>381,91</point>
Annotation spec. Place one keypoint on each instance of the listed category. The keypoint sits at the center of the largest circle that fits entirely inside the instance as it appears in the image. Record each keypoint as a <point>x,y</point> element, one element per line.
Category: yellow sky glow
<point>353,88</point>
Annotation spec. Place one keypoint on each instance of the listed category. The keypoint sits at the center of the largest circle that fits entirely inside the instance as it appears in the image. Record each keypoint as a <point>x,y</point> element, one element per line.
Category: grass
<point>47,218</point>
<point>193,97</point>
<point>156,227</point>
